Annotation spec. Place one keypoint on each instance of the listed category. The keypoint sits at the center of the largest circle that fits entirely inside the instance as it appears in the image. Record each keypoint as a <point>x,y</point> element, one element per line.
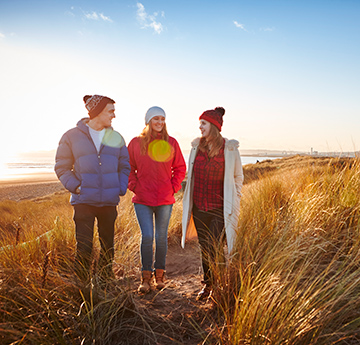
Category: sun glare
<point>160,151</point>
<point>4,171</point>
<point>5,159</point>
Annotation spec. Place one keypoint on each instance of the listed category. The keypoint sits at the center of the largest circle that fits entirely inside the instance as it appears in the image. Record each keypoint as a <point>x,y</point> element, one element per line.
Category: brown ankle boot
<point>145,282</point>
<point>159,279</point>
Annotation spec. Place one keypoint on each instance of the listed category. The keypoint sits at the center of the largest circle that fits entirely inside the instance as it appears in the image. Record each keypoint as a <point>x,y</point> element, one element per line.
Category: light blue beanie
<point>152,112</point>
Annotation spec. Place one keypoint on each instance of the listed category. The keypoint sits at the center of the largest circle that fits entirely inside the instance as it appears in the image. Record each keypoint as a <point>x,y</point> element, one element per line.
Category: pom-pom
<point>220,110</point>
<point>85,98</point>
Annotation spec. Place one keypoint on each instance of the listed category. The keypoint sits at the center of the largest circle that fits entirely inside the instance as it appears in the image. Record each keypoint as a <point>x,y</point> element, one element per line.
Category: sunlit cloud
<point>70,13</point>
<point>141,14</point>
<point>92,16</point>
<point>105,18</point>
<point>2,35</point>
<point>238,25</point>
<point>267,29</point>
<point>95,16</point>
<point>89,15</point>
<point>149,21</point>
<point>156,26</point>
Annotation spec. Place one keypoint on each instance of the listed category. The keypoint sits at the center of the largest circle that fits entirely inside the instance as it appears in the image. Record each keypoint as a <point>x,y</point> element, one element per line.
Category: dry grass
<point>270,167</point>
<point>294,278</point>
<point>21,221</point>
<point>42,300</point>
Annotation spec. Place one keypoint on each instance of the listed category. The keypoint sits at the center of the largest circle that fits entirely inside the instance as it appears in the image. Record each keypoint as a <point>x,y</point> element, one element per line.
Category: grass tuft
<point>295,276</point>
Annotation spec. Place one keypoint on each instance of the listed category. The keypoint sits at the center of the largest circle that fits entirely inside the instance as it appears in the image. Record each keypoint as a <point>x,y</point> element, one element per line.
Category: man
<point>92,162</point>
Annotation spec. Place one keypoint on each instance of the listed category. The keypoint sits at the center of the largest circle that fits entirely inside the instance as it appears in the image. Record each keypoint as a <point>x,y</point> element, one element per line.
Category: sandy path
<point>177,301</point>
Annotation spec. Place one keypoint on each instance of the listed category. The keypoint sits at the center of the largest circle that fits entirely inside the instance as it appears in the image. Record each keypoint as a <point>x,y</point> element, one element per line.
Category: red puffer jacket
<point>156,176</point>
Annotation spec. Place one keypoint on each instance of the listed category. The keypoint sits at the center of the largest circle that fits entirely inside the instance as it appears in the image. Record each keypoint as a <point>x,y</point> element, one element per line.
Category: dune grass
<point>42,300</point>
<point>294,277</point>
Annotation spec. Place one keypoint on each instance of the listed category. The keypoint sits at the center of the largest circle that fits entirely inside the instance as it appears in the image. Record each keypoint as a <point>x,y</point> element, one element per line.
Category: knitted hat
<point>152,112</point>
<point>95,104</point>
<point>214,116</point>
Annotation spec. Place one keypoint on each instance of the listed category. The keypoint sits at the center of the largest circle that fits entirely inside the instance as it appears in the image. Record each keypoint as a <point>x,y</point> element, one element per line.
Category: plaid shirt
<point>209,180</point>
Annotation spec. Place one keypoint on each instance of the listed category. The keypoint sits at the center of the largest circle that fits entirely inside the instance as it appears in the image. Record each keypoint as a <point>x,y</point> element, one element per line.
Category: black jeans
<point>84,218</point>
<point>210,229</point>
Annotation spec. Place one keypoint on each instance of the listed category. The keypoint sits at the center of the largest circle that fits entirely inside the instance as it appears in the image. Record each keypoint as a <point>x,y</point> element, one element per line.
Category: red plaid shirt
<point>209,180</point>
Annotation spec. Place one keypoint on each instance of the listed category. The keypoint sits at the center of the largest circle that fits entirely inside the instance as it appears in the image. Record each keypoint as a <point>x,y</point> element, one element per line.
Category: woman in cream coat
<point>217,209</point>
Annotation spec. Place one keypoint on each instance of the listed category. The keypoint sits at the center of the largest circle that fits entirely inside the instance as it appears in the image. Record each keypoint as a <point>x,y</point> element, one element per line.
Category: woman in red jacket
<point>157,170</point>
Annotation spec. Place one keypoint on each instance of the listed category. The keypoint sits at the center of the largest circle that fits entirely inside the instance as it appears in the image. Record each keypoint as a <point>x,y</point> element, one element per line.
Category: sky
<point>287,72</point>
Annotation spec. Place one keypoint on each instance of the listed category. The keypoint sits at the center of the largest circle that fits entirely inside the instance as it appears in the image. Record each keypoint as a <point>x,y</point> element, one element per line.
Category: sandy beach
<point>29,186</point>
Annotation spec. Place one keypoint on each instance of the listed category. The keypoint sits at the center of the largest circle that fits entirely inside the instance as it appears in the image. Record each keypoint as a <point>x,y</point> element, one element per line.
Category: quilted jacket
<point>102,177</point>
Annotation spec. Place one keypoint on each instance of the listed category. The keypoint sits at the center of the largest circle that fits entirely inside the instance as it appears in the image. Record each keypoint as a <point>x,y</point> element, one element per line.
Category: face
<point>157,123</point>
<point>205,128</point>
<point>105,117</point>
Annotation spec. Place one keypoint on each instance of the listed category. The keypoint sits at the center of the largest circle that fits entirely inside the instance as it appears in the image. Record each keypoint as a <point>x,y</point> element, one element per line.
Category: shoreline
<point>29,186</point>
<point>29,178</point>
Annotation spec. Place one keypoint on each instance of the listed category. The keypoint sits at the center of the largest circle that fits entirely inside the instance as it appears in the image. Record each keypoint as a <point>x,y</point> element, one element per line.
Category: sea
<point>9,170</point>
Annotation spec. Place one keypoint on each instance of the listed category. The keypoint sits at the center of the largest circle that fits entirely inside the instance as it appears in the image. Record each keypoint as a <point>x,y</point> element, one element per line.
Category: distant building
<point>314,152</point>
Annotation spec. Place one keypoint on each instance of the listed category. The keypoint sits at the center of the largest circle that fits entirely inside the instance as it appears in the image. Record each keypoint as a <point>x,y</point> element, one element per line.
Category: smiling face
<point>157,123</point>
<point>205,128</point>
<point>103,120</point>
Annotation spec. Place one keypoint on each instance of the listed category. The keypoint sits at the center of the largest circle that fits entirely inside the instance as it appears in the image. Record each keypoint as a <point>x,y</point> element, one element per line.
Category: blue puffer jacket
<point>102,177</point>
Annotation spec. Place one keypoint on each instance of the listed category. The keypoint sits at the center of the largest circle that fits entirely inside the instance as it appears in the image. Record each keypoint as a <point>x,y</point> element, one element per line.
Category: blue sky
<point>287,72</point>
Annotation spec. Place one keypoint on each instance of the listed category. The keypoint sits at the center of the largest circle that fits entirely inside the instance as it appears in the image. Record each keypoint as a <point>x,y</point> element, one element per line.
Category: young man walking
<point>92,162</point>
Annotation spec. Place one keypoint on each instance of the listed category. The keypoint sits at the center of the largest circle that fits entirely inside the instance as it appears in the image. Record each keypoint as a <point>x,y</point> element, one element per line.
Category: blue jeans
<point>145,216</point>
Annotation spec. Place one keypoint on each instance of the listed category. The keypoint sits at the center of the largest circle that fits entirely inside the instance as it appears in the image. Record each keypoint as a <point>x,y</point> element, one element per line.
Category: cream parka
<point>233,181</point>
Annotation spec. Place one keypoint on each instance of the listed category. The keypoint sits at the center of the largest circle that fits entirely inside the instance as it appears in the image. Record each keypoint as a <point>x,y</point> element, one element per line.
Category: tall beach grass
<point>41,299</point>
<point>295,276</point>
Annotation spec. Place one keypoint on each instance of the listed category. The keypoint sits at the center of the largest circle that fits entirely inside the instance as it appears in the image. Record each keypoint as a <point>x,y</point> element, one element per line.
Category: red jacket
<point>157,175</point>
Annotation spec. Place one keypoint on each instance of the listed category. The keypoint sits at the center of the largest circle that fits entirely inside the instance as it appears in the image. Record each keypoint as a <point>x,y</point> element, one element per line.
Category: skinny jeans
<point>210,229</point>
<point>146,216</point>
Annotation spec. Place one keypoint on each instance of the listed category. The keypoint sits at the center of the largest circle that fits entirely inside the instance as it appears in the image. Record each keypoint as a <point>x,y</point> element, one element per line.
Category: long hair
<point>148,134</point>
<point>213,143</point>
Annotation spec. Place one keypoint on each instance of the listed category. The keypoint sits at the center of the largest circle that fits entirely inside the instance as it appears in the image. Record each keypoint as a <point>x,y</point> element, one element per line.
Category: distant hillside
<point>255,171</point>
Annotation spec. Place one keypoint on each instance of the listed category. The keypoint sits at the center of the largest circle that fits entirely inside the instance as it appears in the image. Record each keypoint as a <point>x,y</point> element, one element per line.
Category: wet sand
<point>29,186</point>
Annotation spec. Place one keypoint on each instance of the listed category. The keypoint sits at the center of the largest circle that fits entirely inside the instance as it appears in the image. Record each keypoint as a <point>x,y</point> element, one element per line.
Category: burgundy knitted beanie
<point>214,116</point>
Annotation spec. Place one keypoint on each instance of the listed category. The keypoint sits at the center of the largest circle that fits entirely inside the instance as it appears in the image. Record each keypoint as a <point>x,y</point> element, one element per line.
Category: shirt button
<point>100,163</point>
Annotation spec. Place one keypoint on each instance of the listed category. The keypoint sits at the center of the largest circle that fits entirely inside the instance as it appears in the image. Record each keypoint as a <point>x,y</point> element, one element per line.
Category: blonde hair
<point>148,134</point>
<point>213,143</point>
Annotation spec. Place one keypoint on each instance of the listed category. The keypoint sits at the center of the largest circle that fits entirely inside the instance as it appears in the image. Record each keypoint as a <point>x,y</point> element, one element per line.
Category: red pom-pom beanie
<point>214,116</point>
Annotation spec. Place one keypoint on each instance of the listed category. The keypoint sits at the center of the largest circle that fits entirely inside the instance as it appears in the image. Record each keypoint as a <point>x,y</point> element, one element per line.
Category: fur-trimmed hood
<point>230,144</point>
